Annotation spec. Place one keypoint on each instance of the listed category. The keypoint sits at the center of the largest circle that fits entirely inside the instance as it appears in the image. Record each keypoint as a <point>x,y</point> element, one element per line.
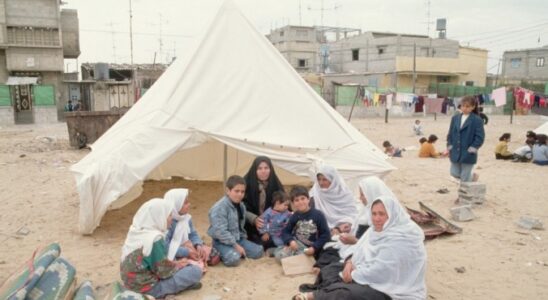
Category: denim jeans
<point>231,257</point>
<point>180,281</point>
<point>462,171</point>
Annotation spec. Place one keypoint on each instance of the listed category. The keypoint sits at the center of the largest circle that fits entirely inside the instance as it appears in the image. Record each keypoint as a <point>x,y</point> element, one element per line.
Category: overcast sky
<point>167,27</point>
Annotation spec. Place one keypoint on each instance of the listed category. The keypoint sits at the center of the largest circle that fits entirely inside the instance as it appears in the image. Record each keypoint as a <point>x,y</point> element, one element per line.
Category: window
<point>381,49</point>
<point>516,62</point>
<point>355,54</point>
<point>33,36</point>
<point>469,83</point>
<point>540,62</point>
<point>302,63</point>
<point>443,79</point>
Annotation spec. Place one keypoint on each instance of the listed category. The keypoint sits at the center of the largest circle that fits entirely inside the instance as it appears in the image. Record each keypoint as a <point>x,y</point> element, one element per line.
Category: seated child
<point>427,148</point>
<point>501,150</point>
<point>524,153</point>
<point>417,128</point>
<point>422,140</point>
<point>307,230</point>
<point>275,218</point>
<point>391,150</point>
<point>226,229</point>
<point>540,151</point>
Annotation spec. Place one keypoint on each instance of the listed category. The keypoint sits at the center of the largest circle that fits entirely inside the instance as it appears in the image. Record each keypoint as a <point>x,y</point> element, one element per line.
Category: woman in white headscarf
<point>332,197</point>
<point>145,267</point>
<point>182,239</point>
<point>389,262</point>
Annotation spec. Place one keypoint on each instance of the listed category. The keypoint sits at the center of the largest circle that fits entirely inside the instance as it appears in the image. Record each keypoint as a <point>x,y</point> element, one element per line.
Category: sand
<point>501,260</point>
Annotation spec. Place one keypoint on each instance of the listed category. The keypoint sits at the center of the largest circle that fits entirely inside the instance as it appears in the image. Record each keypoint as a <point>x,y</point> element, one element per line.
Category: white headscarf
<point>372,187</point>
<point>336,202</point>
<point>149,225</point>
<point>393,260</point>
<point>178,198</point>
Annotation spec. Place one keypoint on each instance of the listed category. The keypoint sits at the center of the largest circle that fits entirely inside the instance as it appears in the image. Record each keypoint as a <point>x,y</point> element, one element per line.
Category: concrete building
<point>386,60</point>
<point>530,65</point>
<point>304,47</point>
<point>35,37</point>
<point>107,87</point>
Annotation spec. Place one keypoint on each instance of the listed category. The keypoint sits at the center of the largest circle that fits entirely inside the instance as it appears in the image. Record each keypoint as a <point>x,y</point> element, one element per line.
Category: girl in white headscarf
<point>390,260</point>
<point>145,267</point>
<point>332,197</point>
<point>182,239</point>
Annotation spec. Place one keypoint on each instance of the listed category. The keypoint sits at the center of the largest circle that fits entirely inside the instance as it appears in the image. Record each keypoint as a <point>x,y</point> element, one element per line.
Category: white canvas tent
<point>542,129</point>
<point>236,91</point>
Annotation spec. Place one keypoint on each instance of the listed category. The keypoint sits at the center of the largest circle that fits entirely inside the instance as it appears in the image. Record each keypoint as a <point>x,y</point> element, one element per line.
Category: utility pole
<point>414,66</point>
<point>113,41</point>
<point>497,77</point>
<point>131,32</point>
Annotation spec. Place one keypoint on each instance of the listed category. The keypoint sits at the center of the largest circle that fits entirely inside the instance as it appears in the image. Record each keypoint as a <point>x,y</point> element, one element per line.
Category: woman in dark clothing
<point>261,182</point>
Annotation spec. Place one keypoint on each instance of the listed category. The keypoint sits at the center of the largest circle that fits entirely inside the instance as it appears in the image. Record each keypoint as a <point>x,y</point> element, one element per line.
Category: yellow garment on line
<point>376,99</point>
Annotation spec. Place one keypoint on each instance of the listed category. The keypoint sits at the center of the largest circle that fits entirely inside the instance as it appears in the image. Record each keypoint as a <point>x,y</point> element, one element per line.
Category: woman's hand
<point>265,237</point>
<point>348,239</point>
<point>193,254</point>
<point>259,223</point>
<point>347,272</point>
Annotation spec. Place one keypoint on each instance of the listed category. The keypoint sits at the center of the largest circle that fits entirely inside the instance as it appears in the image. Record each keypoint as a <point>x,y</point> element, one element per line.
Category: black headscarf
<point>251,198</point>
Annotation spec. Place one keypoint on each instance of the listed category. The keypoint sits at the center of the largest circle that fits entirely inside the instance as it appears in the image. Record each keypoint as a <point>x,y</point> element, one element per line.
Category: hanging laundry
<point>433,105</point>
<point>499,96</point>
<point>389,98</point>
<point>419,105</point>
<point>376,99</point>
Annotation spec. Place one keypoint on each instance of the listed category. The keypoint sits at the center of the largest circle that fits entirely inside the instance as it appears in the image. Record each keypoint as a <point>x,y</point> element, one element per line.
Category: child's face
<point>301,203</point>
<point>417,122</point>
<point>186,208</point>
<point>281,206</point>
<point>236,194</point>
<point>467,108</point>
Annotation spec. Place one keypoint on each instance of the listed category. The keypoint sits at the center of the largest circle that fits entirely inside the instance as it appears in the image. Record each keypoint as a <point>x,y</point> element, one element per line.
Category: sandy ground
<point>501,260</point>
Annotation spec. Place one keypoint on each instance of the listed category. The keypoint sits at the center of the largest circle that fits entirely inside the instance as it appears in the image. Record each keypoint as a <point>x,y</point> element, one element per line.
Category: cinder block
<point>530,223</point>
<point>462,213</point>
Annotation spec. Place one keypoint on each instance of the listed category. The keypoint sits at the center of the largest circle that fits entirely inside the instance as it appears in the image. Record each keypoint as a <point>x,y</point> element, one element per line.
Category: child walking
<point>464,138</point>
<point>226,229</point>
<point>307,230</point>
<point>275,219</point>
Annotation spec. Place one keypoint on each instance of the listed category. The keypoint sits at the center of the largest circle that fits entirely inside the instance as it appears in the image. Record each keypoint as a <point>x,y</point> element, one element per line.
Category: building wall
<point>61,97</point>
<point>475,62</point>
<point>44,114</point>
<point>297,43</point>
<point>3,70</point>
<point>377,53</point>
<point>6,115</point>
<point>39,13</point>
<point>527,68</point>
<point>34,59</point>
<point>70,33</point>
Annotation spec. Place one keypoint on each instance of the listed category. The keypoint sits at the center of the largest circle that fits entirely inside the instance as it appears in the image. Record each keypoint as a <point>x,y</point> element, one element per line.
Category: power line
<point>498,30</point>
<point>137,33</point>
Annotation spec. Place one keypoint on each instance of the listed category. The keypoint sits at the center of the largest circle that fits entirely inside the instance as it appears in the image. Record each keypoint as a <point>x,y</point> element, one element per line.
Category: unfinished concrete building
<point>35,37</point>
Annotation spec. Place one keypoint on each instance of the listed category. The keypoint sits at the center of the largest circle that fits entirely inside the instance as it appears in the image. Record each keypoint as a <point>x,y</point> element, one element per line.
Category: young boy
<point>307,230</point>
<point>417,127</point>
<point>391,150</point>
<point>226,219</point>
<point>275,219</point>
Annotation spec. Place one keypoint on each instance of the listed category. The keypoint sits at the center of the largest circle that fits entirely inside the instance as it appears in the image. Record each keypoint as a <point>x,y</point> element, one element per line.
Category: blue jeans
<point>231,258</point>
<point>462,171</point>
<point>180,281</point>
<point>541,162</point>
<point>283,252</point>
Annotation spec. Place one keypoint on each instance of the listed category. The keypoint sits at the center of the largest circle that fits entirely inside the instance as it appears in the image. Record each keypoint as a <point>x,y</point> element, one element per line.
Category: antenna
<point>300,13</point>
<point>428,22</point>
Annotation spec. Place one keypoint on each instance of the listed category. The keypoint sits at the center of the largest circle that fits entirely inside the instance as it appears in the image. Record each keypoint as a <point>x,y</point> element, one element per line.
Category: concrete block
<point>530,223</point>
<point>462,213</point>
<point>472,193</point>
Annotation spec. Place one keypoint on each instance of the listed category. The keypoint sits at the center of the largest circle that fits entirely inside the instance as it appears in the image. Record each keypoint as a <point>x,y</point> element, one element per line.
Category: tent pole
<point>225,168</point>
<point>354,103</point>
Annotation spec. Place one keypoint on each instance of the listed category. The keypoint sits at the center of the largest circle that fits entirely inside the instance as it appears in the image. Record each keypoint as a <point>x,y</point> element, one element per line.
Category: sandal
<point>300,296</point>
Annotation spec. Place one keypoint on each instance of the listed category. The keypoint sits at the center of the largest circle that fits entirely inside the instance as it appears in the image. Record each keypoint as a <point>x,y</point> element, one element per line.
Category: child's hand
<point>309,251</point>
<point>265,237</point>
<point>181,263</point>
<point>348,239</point>
<point>293,245</point>
<point>239,249</point>
<point>259,223</point>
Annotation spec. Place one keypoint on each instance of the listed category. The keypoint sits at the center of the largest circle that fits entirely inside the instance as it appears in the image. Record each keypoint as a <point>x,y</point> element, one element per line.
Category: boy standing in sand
<point>227,219</point>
